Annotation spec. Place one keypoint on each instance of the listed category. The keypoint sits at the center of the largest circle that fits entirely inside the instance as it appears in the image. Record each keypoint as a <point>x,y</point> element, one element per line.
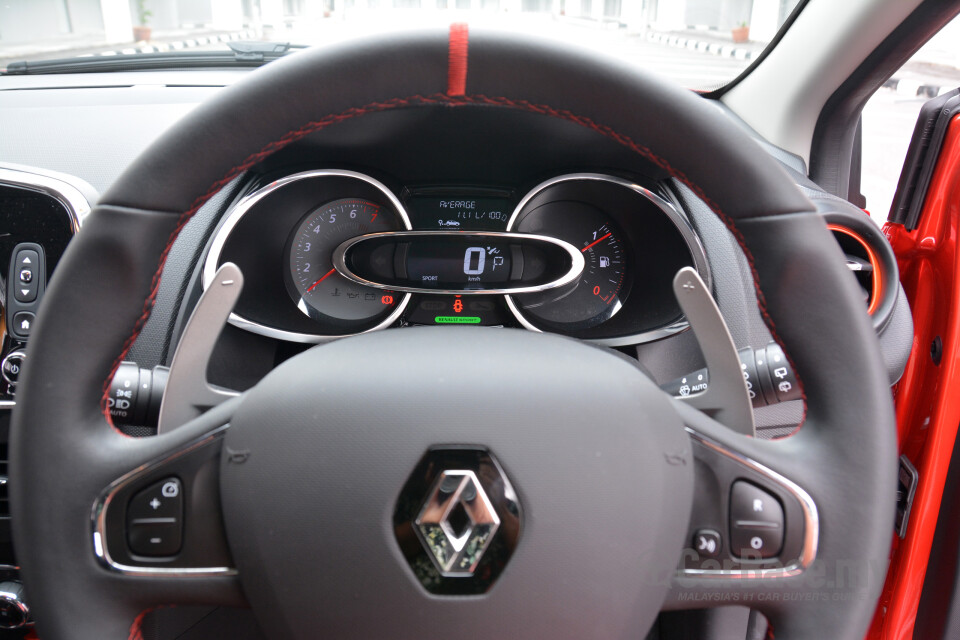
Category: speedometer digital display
<point>319,291</point>
<point>443,261</point>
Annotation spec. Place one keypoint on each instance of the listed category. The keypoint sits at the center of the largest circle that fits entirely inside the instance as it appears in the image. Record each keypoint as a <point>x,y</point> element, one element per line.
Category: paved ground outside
<point>695,59</point>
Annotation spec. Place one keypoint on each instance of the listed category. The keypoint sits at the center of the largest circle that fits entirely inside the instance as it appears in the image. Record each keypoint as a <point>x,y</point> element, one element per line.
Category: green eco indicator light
<point>457,320</point>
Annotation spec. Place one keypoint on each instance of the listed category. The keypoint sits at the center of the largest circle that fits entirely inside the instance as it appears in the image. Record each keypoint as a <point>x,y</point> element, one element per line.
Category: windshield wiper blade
<point>242,54</point>
<point>254,50</point>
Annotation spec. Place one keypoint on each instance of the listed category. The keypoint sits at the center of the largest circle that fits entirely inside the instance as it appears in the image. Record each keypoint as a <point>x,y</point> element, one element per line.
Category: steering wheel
<point>307,474</point>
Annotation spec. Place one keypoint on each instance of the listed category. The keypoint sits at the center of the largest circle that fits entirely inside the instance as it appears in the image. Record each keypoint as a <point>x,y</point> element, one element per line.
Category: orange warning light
<point>387,299</point>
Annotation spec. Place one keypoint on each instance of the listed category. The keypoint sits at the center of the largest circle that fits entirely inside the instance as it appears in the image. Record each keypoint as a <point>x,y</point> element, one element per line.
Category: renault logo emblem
<point>457,522</point>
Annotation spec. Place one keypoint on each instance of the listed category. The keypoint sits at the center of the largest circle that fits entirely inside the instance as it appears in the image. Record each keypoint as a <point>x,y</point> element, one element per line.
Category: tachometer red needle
<point>325,276</point>
<point>592,243</point>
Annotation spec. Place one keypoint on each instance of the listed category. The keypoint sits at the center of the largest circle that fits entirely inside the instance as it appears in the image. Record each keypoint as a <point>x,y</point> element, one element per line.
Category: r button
<point>756,522</point>
<point>749,502</point>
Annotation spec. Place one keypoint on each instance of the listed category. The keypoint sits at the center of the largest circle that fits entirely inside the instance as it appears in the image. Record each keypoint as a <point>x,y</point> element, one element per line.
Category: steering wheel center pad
<point>334,433</point>
<point>63,454</point>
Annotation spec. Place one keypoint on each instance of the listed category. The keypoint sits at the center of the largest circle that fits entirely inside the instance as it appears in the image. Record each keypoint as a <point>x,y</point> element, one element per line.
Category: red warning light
<point>457,306</point>
<point>387,299</point>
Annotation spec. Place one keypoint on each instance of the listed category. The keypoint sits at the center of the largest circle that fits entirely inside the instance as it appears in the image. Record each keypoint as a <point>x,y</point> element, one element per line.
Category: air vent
<point>871,260</point>
<point>863,262</point>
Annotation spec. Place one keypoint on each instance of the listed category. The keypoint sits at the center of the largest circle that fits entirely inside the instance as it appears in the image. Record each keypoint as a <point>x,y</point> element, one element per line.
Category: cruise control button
<point>155,536</point>
<point>755,543</point>
<point>155,519</point>
<point>756,522</point>
<point>751,503</point>
<point>162,499</point>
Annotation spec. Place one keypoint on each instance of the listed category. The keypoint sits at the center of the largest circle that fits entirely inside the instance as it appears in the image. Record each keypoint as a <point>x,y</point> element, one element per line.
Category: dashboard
<point>522,188</point>
<point>609,229</point>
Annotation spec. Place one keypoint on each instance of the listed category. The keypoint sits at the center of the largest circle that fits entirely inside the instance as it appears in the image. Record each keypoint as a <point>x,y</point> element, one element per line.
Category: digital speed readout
<point>431,263</point>
<point>465,262</point>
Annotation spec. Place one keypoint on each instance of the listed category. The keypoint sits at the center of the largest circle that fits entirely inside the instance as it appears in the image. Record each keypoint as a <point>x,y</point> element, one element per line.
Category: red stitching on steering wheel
<point>439,100</point>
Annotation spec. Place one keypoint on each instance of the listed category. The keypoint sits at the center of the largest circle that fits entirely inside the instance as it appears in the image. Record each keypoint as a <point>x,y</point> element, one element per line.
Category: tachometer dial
<point>321,292</point>
<point>597,294</point>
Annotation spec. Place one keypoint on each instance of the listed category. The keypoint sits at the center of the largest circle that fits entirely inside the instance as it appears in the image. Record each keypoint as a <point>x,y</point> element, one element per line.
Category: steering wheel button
<point>163,499</point>
<point>707,543</point>
<point>749,503</point>
<point>756,522</point>
<point>757,544</point>
<point>155,519</point>
<point>155,537</point>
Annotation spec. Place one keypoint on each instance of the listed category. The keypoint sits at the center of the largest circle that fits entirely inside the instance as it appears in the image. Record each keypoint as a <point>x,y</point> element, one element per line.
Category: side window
<point>890,115</point>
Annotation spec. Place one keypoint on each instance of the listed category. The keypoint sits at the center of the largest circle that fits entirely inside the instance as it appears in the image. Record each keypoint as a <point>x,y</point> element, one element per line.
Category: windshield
<point>699,44</point>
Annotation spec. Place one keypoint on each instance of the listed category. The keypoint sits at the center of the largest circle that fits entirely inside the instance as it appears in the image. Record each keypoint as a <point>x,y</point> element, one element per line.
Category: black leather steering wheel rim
<point>65,452</point>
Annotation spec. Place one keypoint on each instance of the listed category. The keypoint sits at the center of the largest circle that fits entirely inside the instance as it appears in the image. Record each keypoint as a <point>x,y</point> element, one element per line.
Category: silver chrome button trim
<point>811,519</point>
<point>105,501</point>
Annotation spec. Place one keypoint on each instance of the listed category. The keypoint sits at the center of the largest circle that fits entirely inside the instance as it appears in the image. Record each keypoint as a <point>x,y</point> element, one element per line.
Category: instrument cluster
<point>330,253</point>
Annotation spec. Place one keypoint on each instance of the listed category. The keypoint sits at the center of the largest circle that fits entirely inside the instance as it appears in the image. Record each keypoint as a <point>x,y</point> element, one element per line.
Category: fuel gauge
<point>599,292</point>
